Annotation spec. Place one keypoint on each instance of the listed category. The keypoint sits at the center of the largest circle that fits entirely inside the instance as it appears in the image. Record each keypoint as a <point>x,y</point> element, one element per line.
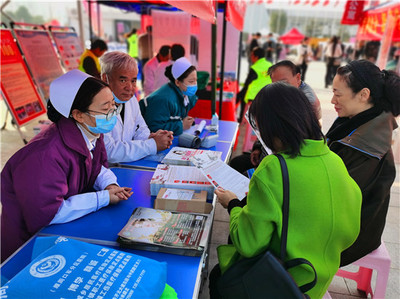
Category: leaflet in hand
<point>219,174</point>
<point>159,230</point>
<point>181,155</point>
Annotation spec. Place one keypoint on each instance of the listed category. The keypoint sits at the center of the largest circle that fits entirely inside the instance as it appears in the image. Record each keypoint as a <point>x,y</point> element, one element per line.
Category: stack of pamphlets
<point>180,177</point>
<point>164,231</point>
<point>181,155</point>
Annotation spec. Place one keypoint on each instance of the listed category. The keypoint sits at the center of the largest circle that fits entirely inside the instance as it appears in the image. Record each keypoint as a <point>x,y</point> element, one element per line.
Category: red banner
<point>353,12</point>
<point>202,9</point>
<point>374,23</point>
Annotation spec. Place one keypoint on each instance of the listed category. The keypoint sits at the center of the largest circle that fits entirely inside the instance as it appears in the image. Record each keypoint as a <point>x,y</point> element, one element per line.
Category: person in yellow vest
<point>89,62</point>
<point>256,79</point>
<point>132,40</point>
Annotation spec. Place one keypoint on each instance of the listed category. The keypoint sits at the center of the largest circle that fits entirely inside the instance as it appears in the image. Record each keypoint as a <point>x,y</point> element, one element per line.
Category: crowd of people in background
<point>331,50</point>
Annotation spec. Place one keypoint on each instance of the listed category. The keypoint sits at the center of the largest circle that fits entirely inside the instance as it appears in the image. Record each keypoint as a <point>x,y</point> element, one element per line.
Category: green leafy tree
<point>310,27</point>
<point>278,21</point>
<point>22,14</point>
<point>344,33</point>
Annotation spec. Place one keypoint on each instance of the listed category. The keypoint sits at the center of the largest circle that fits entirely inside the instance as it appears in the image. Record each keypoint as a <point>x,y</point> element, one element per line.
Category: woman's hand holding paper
<point>224,196</point>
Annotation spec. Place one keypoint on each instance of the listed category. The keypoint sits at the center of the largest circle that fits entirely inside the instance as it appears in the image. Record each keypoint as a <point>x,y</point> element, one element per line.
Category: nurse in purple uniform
<point>61,174</point>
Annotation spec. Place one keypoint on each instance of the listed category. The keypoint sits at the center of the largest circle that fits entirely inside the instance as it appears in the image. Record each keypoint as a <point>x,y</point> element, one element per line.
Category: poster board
<point>69,47</point>
<point>171,28</point>
<point>17,87</point>
<point>40,57</point>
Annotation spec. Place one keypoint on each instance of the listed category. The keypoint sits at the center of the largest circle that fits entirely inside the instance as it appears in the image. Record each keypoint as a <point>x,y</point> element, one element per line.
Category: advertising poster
<point>40,56</point>
<point>17,87</point>
<point>69,47</point>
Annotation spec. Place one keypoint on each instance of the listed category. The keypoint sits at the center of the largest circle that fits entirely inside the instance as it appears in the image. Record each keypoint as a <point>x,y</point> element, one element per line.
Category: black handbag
<point>266,276</point>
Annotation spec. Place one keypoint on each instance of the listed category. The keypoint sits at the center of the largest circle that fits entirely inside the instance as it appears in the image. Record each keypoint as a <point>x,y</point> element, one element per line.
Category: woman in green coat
<point>325,202</point>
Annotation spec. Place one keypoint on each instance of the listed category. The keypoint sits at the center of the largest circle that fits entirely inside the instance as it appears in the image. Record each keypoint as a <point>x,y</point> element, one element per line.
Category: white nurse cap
<point>180,66</point>
<point>64,89</point>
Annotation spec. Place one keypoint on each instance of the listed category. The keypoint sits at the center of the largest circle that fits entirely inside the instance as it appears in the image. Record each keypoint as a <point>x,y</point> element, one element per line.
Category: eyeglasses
<point>253,125</point>
<point>110,114</point>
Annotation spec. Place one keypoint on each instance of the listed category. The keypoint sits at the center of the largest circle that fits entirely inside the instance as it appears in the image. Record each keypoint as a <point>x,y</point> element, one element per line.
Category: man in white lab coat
<point>130,140</point>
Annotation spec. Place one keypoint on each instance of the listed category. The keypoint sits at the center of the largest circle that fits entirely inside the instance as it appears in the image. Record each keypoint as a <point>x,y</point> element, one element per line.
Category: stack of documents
<point>164,231</point>
<point>180,177</point>
<point>181,155</point>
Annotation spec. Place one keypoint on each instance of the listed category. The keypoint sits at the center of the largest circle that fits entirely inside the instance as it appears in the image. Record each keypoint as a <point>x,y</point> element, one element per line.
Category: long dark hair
<point>281,111</point>
<point>334,41</point>
<point>384,85</point>
<point>83,99</point>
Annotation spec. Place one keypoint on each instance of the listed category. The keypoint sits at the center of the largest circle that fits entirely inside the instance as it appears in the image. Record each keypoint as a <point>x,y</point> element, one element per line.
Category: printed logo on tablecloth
<point>48,266</point>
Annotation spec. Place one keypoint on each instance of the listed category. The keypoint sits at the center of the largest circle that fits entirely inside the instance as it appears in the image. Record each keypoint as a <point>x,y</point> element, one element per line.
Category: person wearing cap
<point>366,100</point>
<point>150,68</point>
<point>61,174</point>
<point>130,139</point>
<point>167,108</point>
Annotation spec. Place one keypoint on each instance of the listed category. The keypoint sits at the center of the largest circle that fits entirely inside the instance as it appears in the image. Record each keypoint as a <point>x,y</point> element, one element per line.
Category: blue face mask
<point>190,90</point>
<point>102,124</point>
<point>118,101</point>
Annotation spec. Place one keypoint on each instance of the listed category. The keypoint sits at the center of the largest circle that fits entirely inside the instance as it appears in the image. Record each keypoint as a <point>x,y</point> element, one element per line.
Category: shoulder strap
<point>285,223</point>
<point>285,206</point>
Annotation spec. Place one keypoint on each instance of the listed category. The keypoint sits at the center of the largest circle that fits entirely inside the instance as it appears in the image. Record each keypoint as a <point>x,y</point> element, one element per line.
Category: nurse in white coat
<point>130,140</point>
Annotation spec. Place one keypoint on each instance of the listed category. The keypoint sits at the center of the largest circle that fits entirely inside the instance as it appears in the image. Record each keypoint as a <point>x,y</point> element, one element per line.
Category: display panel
<point>40,56</point>
<point>69,47</point>
<point>17,87</point>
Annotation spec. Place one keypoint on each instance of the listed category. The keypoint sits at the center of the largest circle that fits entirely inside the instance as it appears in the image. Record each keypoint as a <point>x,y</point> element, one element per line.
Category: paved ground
<point>340,288</point>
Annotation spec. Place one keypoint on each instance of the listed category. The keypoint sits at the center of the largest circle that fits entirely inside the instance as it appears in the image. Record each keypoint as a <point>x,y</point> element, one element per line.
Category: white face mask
<point>257,133</point>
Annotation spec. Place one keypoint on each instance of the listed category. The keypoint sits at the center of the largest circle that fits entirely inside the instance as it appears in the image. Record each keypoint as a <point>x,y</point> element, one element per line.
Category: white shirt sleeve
<point>80,205</point>
<point>128,151</point>
<point>106,177</point>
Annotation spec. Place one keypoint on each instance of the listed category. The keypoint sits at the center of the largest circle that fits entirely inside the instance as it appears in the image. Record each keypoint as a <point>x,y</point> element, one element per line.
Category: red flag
<point>337,3</point>
<point>353,12</point>
<point>307,2</point>
<point>235,13</point>
<point>270,1</point>
<point>326,3</point>
<point>296,2</point>
<point>315,2</point>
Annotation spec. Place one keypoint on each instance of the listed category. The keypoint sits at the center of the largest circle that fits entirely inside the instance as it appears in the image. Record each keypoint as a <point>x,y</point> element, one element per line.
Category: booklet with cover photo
<point>165,231</point>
